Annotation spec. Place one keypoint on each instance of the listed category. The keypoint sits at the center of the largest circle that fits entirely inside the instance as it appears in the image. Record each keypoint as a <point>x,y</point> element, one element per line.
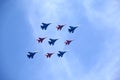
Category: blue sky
<point>93,55</point>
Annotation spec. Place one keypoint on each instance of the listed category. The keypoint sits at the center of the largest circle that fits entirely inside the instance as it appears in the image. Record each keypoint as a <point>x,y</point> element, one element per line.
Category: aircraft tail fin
<point>72,31</point>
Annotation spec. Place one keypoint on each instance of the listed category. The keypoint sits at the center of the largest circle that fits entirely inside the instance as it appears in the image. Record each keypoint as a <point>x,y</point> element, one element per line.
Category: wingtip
<point>28,56</point>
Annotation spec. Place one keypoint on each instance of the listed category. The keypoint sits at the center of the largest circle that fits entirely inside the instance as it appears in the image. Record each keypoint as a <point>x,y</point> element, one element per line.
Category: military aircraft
<point>44,26</point>
<point>48,55</point>
<point>40,40</point>
<point>59,27</point>
<point>71,29</point>
<point>31,54</point>
<point>61,53</point>
<point>52,41</point>
<point>67,42</point>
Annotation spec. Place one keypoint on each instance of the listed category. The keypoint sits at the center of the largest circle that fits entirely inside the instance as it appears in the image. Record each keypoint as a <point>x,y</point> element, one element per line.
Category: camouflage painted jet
<point>48,55</point>
<point>31,54</point>
<point>61,53</point>
<point>52,41</point>
<point>59,27</point>
<point>44,26</point>
<point>40,40</point>
<point>71,29</point>
<point>67,42</point>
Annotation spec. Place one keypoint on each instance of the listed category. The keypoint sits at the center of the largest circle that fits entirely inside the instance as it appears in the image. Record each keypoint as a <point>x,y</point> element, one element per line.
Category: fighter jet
<point>67,42</point>
<point>52,41</point>
<point>40,40</point>
<point>61,53</point>
<point>71,29</point>
<point>48,55</point>
<point>59,27</point>
<point>31,54</point>
<point>44,26</point>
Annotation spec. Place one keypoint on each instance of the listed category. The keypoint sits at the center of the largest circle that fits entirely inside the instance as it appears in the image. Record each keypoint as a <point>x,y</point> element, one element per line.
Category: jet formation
<point>52,41</point>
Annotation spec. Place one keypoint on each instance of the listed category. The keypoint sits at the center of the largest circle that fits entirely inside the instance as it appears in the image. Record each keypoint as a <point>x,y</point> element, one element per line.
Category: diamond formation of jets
<point>52,41</point>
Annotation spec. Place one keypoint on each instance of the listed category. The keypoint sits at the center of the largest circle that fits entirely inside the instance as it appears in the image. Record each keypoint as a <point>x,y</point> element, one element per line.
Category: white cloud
<point>108,19</point>
<point>108,15</point>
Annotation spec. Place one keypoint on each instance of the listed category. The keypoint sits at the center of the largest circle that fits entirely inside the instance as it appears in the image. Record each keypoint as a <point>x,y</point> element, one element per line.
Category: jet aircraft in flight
<point>52,41</point>
<point>59,27</point>
<point>67,42</point>
<point>72,29</point>
<point>48,55</point>
<point>61,53</point>
<point>31,54</point>
<point>44,26</point>
<point>40,40</point>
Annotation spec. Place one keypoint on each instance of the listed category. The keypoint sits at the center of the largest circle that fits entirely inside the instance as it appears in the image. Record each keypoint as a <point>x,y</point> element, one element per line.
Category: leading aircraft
<point>48,55</point>
<point>72,29</point>
<point>52,41</point>
<point>59,27</point>
<point>31,54</point>
<point>44,26</point>
<point>61,53</point>
<point>67,42</point>
<point>40,40</point>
